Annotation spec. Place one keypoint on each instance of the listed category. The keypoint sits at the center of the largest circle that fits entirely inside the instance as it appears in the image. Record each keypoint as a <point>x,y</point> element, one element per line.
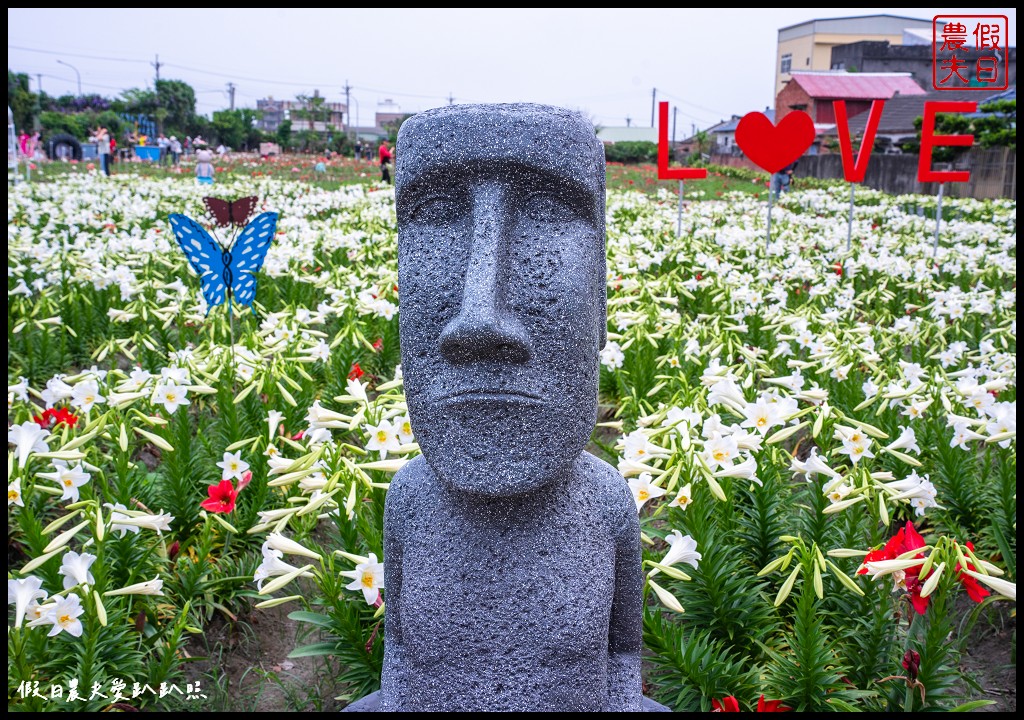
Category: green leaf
<point>972,705</point>
<point>323,648</point>
<point>310,617</point>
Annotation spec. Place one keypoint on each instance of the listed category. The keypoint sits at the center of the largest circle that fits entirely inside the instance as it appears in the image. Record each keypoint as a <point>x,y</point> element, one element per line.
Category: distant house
<point>814,92</point>
<point>807,46</point>
<point>897,122</point>
<point>723,135</point>
<point>274,112</point>
<point>915,58</point>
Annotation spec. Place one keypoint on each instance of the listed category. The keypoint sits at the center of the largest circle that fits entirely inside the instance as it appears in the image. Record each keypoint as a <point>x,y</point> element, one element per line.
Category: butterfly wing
<point>241,209</point>
<point>203,254</point>
<point>219,209</point>
<point>231,212</point>
<point>248,254</point>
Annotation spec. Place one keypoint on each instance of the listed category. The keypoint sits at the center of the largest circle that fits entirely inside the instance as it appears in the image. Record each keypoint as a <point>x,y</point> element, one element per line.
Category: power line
<point>70,54</point>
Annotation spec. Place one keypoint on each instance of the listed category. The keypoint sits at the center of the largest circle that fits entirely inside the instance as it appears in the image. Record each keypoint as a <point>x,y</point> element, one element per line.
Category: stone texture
<point>371,703</point>
<point>512,557</point>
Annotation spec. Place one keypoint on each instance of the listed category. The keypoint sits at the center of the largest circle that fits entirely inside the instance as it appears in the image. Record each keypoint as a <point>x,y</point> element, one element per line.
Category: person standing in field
<point>385,162</point>
<point>103,149</point>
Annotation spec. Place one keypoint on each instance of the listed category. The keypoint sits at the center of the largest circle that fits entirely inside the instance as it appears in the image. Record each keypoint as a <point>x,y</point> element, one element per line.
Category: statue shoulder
<point>608,487</point>
<point>414,481</point>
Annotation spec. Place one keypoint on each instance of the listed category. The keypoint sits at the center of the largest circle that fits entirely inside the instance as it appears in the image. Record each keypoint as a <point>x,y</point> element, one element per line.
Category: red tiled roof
<point>856,86</point>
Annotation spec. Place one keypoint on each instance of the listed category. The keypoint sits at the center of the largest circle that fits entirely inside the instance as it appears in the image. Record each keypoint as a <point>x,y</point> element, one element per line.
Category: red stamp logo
<point>970,52</point>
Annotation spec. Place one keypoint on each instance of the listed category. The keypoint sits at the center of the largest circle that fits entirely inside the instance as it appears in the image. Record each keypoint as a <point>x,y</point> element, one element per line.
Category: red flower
<point>222,497</point>
<point>727,704</point>
<point>974,589</point>
<point>52,417</point>
<point>771,705</point>
<point>912,664</point>
<point>378,344</point>
<point>903,541</point>
<point>356,372</point>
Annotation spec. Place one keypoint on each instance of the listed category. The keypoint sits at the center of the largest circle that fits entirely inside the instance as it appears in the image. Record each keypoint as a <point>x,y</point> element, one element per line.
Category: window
<point>787,64</point>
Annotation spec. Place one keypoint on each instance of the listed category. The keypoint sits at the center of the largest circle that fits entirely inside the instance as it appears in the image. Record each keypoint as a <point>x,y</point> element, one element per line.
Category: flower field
<point>821,444</point>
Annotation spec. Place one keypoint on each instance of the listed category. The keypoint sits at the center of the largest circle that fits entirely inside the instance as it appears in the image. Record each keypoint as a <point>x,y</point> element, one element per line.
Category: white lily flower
<point>277,541</point>
<point>149,587</point>
<point>906,441</point>
<point>64,614</point>
<point>75,569</point>
<point>28,438</point>
<point>682,549</point>
<point>367,577</point>
<point>643,490</point>
<point>21,593</point>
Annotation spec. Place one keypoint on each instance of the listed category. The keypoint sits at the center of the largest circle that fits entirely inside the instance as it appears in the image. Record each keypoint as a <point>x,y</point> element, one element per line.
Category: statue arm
<point>625,638</point>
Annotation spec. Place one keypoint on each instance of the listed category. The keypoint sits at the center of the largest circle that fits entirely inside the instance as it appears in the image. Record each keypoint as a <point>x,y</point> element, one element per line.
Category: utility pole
<point>39,83</point>
<point>451,100</point>
<point>156,91</point>
<point>348,107</point>
<point>628,120</point>
<point>231,93</point>
<point>654,103</point>
<point>675,111</point>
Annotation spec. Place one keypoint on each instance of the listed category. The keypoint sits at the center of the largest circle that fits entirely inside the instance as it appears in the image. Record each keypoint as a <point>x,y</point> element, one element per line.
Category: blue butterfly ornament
<point>226,273</point>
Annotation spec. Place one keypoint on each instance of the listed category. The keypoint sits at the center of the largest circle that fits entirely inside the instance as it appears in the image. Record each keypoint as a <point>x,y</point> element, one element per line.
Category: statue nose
<point>484,329</point>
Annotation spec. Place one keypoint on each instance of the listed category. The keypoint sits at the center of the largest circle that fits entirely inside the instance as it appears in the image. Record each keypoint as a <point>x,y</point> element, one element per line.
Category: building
<point>807,46</point>
<point>896,125</point>
<point>388,113</point>
<point>814,92</point>
<point>723,135</point>
<point>916,59</point>
<point>274,112</point>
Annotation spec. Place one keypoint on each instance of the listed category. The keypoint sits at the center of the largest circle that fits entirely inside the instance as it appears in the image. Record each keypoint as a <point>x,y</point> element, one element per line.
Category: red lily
<point>728,704</point>
<point>222,497</point>
<point>975,591</point>
<point>356,372</point>
<point>51,417</point>
<point>905,540</point>
<point>771,705</point>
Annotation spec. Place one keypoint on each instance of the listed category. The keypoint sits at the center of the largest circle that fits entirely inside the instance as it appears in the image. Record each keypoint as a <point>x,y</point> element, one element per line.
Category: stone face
<point>512,557</point>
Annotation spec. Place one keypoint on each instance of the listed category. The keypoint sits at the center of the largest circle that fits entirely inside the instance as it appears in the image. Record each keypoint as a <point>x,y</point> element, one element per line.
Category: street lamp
<point>78,74</point>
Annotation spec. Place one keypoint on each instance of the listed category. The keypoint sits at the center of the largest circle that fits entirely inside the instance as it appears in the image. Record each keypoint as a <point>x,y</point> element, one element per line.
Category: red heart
<point>773,147</point>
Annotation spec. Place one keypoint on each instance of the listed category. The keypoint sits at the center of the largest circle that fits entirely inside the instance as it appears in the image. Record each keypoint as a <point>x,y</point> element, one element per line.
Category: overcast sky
<point>708,62</point>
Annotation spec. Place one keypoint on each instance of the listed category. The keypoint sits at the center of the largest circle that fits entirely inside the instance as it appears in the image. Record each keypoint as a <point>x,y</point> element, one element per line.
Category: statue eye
<point>548,207</point>
<point>437,209</point>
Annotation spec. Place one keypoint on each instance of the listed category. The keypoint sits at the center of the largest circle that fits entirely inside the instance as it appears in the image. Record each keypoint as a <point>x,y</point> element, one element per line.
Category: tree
<point>284,133</point>
<point>23,103</point>
<point>178,99</point>
<point>314,109</point>
<point>229,127</point>
<point>703,142</point>
<point>994,126</point>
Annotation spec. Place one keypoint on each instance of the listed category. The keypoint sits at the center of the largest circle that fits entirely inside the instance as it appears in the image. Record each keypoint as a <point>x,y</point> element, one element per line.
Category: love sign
<point>773,147</point>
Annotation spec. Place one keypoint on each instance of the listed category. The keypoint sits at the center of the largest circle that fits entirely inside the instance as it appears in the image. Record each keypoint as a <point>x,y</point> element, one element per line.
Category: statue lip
<point>489,394</point>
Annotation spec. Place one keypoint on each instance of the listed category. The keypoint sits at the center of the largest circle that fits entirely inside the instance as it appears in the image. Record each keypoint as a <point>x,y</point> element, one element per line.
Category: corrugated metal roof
<point>857,86</point>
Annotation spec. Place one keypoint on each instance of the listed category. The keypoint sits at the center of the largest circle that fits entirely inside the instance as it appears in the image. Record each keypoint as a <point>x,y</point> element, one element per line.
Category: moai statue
<point>513,577</point>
